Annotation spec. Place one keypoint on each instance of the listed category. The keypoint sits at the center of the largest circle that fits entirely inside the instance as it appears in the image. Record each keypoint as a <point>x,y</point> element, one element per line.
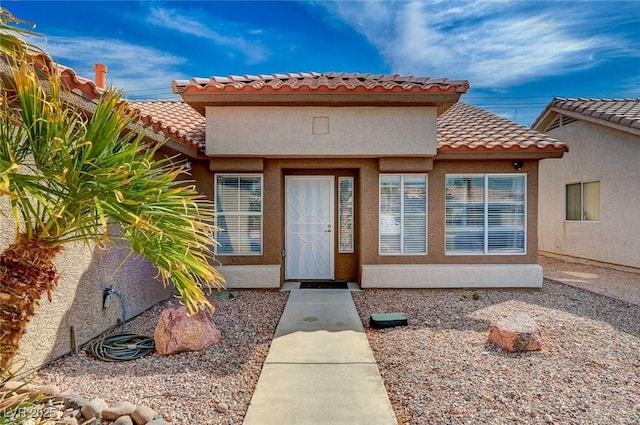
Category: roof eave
<point>594,120</point>
<point>441,99</point>
<point>447,152</point>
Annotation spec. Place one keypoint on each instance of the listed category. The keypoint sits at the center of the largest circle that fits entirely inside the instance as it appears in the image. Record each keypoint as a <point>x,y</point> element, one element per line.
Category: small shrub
<point>476,296</point>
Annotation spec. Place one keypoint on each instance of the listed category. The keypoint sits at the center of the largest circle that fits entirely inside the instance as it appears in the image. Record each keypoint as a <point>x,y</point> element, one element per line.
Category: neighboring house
<point>380,179</point>
<point>591,198</point>
<point>76,313</point>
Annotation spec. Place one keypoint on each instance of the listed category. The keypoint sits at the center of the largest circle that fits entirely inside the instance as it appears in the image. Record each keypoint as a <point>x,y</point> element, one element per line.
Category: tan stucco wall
<point>595,154</point>
<point>77,301</point>
<point>314,131</point>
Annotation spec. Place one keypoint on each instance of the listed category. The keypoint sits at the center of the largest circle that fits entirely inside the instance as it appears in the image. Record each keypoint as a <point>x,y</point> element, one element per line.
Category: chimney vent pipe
<point>101,75</point>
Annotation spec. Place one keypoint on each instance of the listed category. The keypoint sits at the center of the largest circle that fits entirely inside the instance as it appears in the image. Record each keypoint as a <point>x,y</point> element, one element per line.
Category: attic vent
<point>561,121</point>
<point>555,124</point>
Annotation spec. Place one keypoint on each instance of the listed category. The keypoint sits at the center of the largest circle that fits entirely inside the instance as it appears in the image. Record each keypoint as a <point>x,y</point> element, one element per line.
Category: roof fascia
<point>199,101</point>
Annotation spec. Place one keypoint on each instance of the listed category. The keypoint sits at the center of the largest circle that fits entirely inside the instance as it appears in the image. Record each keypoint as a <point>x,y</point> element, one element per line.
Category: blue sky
<point>517,55</point>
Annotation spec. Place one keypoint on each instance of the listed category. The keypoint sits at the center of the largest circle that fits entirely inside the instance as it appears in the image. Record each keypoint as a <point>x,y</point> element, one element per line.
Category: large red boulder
<point>177,331</point>
<point>517,332</point>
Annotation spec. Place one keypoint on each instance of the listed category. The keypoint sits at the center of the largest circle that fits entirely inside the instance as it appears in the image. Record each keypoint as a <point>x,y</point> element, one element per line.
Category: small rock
<point>548,418</point>
<point>75,402</point>
<point>159,422</point>
<point>142,415</point>
<point>517,332</point>
<point>222,407</point>
<point>121,408</point>
<point>124,420</point>
<point>177,331</point>
<point>93,408</point>
<point>18,387</point>
<point>68,421</point>
<point>47,390</point>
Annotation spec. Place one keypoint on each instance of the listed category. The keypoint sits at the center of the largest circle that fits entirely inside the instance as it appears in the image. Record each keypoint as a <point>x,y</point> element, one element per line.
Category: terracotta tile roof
<point>467,128</point>
<point>321,82</point>
<point>174,118</point>
<point>623,112</point>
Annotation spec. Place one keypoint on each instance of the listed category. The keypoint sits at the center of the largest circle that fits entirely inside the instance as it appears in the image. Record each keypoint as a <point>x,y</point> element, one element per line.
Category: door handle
<point>328,229</point>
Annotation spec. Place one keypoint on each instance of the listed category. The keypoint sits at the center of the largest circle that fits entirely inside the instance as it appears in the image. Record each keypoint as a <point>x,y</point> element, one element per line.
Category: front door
<point>309,227</point>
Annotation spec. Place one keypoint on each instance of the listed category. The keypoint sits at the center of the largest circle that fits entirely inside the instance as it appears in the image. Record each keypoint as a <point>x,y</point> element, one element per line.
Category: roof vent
<point>100,70</point>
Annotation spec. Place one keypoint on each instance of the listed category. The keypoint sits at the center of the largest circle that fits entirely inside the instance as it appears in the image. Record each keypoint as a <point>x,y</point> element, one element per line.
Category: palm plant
<point>70,178</point>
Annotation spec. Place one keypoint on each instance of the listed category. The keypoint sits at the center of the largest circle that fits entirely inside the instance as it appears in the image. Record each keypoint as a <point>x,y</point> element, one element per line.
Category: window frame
<point>486,227</point>
<point>402,214</point>
<point>239,214</point>
<point>582,219</point>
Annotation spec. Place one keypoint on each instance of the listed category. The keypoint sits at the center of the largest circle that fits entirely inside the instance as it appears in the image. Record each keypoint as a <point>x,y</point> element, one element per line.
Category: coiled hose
<point>121,346</point>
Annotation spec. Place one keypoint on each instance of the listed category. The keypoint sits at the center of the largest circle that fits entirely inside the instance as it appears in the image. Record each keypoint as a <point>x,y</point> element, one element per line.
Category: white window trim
<point>236,214</point>
<point>486,216</point>
<point>581,183</point>
<point>426,227</point>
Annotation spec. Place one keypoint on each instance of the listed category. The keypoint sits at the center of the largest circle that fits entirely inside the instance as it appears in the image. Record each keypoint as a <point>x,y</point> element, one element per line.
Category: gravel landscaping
<point>441,370</point>
<point>186,387</point>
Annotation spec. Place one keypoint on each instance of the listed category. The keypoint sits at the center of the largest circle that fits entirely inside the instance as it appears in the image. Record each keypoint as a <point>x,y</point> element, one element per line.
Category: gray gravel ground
<point>441,370</point>
<point>187,386</point>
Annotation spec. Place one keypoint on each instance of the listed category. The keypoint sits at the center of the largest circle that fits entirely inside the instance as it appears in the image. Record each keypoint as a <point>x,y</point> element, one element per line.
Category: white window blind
<point>239,214</point>
<point>403,214</point>
<point>485,214</point>
<point>345,214</point>
<point>583,201</point>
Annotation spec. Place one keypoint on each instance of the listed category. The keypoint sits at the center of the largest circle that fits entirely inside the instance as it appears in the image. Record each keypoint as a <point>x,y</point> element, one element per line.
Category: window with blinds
<point>238,202</point>
<point>485,214</point>
<point>403,214</point>
<point>583,201</point>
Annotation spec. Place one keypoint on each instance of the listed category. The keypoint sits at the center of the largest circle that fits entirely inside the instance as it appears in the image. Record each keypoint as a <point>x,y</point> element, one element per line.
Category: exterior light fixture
<point>518,165</point>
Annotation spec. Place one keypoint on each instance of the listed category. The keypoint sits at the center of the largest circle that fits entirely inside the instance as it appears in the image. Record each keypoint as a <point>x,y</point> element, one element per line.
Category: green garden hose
<point>121,346</point>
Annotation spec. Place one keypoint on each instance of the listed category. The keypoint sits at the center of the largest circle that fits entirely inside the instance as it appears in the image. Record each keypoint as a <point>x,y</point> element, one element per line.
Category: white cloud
<point>231,37</point>
<point>138,70</point>
<point>491,43</point>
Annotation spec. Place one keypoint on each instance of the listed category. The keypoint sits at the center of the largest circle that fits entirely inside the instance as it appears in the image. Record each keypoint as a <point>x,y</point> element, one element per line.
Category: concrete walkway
<point>320,368</point>
<point>622,285</point>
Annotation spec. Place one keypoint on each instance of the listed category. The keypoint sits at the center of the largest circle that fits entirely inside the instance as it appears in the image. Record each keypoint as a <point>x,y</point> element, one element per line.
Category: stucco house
<point>384,180</point>
<point>591,198</point>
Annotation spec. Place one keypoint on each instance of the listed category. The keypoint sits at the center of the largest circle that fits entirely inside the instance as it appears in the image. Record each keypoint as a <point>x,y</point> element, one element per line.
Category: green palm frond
<point>69,177</point>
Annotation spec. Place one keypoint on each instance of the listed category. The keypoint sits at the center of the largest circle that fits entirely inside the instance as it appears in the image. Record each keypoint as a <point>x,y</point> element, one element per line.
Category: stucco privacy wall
<point>306,131</point>
<point>596,154</point>
<point>77,301</point>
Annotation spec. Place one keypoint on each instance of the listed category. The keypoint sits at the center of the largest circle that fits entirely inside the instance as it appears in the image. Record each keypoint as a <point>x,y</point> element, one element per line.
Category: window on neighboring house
<point>485,214</point>
<point>403,214</point>
<point>583,201</point>
<point>238,200</point>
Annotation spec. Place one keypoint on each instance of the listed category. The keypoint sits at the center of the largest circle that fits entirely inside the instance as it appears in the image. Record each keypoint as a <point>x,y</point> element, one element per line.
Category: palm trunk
<point>26,273</point>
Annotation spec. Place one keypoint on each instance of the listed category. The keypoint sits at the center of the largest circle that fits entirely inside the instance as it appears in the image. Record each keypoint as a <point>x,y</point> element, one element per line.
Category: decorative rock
<point>75,402</point>
<point>69,421</point>
<point>517,332</point>
<point>142,415</point>
<point>47,390</point>
<point>93,408</point>
<point>124,420</point>
<point>222,407</point>
<point>18,387</point>
<point>177,331</point>
<point>121,408</point>
<point>159,422</point>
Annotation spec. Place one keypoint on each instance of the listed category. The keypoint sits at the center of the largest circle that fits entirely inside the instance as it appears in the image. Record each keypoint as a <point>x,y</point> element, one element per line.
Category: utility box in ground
<point>387,320</point>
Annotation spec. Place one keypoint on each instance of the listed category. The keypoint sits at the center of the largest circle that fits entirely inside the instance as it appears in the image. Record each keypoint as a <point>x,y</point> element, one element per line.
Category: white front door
<point>309,227</point>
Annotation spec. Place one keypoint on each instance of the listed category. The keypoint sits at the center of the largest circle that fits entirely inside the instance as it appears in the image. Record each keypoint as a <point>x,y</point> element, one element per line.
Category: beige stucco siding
<point>77,301</point>
<point>316,131</point>
<point>595,154</point>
